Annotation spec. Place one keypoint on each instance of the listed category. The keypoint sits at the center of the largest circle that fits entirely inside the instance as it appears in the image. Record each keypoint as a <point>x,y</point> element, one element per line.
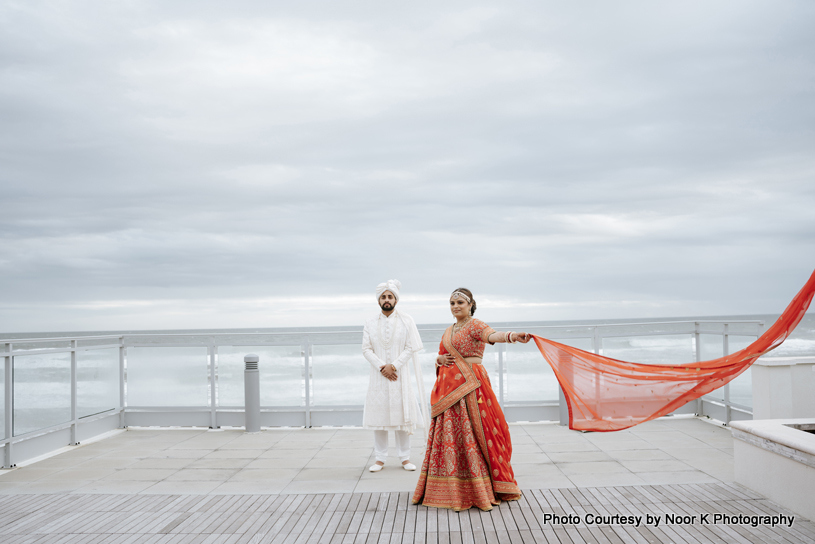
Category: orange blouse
<point>470,340</point>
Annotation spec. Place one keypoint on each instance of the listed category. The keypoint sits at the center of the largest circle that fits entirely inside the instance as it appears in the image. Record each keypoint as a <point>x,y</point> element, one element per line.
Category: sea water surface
<point>160,371</point>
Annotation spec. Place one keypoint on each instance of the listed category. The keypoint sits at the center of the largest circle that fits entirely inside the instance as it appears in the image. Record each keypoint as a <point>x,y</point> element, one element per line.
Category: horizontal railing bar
<point>57,338</point>
<point>326,407</point>
<point>103,346</point>
<point>634,335</point>
<point>19,352</point>
<point>312,333</point>
<point>533,403</point>
<point>741,407</point>
<point>40,351</point>
<point>236,409</point>
<point>34,351</point>
<point>249,345</point>
<point>712,400</point>
<point>59,427</point>
<point>202,346</point>
<point>230,409</point>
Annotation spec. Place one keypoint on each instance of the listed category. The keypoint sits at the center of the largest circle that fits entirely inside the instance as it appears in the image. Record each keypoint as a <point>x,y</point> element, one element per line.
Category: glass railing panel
<point>717,394</point>
<point>710,346</point>
<point>339,375</point>
<point>431,340</point>
<point>167,376</point>
<point>97,342</point>
<point>168,340</point>
<point>745,329</point>
<point>42,391</point>
<point>97,381</point>
<point>280,370</point>
<point>741,388</point>
<point>654,350</point>
<point>490,363</point>
<point>427,361</point>
<point>528,376</point>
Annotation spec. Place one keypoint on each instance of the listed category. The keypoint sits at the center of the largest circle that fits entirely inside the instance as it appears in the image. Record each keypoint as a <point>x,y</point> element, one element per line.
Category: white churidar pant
<point>381,445</point>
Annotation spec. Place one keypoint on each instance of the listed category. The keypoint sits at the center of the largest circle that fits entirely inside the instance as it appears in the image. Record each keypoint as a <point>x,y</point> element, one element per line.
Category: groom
<point>390,342</point>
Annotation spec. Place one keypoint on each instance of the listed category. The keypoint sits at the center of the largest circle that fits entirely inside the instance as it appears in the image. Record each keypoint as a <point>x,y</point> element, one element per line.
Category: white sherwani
<point>390,405</point>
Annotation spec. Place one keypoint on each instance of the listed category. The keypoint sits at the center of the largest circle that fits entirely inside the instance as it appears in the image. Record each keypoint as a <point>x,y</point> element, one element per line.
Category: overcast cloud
<point>256,164</point>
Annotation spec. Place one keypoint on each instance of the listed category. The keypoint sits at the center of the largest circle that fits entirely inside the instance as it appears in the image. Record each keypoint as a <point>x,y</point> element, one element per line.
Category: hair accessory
<point>459,294</point>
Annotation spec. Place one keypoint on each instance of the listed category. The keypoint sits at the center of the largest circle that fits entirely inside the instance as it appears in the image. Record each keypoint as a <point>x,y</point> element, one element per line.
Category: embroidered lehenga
<point>467,461</point>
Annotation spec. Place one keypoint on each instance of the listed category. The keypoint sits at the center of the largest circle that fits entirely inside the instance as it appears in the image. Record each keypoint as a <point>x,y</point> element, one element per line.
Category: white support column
<point>213,386</point>
<point>697,345</point>
<point>563,408</point>
<point>596,341</point>
<point>8,405</point>
<point>501,350</point>
<point>74,422</point>
<point>121,382</point>
<point>726,352</point>
<point>597,344</point>
<point>306,351</point>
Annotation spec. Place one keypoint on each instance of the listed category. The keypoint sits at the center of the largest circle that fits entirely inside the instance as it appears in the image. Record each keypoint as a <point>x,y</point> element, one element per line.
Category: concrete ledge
<point>777,460</point>
<point>782,436</point>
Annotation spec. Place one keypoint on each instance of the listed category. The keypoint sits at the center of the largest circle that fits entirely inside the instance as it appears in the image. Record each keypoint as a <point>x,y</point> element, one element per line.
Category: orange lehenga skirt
<point>467,461</point>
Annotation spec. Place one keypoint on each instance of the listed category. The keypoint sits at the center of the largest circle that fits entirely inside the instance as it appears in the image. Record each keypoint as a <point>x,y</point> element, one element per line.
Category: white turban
<point>391,285</point>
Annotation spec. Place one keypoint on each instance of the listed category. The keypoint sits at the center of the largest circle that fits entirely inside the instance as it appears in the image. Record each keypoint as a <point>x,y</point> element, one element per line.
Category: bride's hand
<point>445,360</point>
<point>523,337</point>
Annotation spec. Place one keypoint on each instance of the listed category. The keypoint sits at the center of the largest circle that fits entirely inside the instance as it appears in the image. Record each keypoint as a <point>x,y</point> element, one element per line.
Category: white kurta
<point>385,340</point>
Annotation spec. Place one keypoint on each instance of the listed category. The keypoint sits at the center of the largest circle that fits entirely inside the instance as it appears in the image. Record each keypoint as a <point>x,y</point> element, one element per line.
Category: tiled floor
<point>183,461</point>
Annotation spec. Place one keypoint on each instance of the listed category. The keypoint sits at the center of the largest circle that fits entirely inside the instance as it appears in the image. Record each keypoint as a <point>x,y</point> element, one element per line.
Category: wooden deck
<point>75,518</point>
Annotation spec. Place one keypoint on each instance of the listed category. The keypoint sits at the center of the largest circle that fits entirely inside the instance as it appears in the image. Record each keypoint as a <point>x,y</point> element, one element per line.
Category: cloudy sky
<point>261,164</point>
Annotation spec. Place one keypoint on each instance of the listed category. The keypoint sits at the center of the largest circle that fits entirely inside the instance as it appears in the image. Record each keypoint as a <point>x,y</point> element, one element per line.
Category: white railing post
<point>596,341</point>
<point>251,393</point>
<point>8,402</point>
<point>697,348</point>
<point>74,441</point>
<point>122,421</point>
<point>597,344</point>
<point>501,349</point>
<point>563,408</point>
<point>306,351</point>
<point>725,353</point>
<point>213,385</point>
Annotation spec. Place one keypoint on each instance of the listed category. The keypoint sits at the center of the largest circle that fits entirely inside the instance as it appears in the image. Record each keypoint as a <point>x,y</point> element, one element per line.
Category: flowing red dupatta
<point>605,394</point>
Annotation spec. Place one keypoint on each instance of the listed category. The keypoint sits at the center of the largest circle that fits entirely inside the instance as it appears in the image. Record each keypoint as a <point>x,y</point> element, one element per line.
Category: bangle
<point>509,338</point>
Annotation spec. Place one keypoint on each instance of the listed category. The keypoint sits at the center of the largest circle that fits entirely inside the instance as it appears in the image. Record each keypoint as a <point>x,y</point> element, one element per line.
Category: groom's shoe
<point>376,467</point>
<point>409,466</point>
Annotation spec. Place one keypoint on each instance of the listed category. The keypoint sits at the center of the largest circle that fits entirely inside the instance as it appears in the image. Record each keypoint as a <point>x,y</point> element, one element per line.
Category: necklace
<point>458,326</point>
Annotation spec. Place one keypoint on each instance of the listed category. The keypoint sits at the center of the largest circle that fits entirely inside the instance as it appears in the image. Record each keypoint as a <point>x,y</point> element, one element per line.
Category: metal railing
<point>68,425</point>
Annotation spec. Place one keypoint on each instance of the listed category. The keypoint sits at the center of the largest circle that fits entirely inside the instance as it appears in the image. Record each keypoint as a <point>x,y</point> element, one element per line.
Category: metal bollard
<point>251,389</point>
